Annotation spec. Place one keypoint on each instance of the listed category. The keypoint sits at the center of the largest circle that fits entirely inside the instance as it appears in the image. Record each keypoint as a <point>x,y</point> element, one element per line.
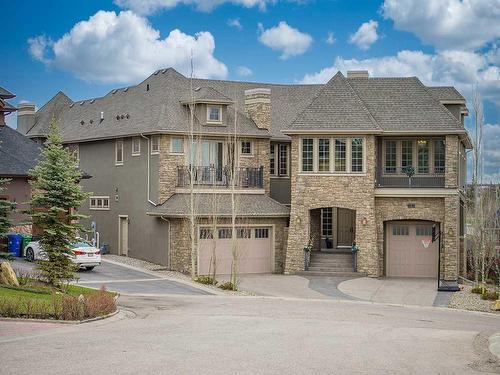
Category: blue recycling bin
<point>14,244</point>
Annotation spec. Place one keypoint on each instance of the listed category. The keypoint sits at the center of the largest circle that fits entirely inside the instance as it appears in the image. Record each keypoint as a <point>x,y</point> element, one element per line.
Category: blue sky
<point>86,48</point>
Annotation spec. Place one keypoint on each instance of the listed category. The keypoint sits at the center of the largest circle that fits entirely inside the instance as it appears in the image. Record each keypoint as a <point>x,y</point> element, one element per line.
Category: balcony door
<point>212,154</point>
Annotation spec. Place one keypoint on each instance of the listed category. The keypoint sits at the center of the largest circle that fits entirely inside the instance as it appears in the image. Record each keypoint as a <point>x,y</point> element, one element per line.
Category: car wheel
<point>30,255</point>
<point>89,268</point>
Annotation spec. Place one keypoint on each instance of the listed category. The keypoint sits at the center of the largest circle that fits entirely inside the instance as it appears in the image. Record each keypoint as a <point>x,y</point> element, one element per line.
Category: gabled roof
<point>6,94</point>
<point>206,95</point>
<point>5,106</point>
<point>55,107</point>
<point>446,94</point>
<point>249,205</point>
<point>18,154</point>
<point>337,107</point>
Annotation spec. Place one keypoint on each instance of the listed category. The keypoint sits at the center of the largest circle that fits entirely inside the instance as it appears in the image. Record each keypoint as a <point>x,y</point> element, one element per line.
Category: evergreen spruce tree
<point>56,195</point>
<point>5,207</point>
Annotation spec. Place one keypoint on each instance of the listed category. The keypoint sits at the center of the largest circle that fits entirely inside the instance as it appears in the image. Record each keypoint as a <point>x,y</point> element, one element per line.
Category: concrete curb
<point>494,345</point>
<point>55,321</point>
<point>162,277</point>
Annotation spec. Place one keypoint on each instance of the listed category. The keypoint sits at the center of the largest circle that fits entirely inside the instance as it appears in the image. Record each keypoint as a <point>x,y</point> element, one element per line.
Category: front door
<point>345,227</point>
<point>123,235</point>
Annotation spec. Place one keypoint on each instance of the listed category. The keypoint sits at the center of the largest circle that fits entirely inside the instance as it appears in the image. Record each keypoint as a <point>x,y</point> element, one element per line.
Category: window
<point>214,114</point>
<point>262,233</point>
<point>439,156</point>
<point>406,154</point>
<point>423,156</point>
<point>272,160</point>
<point>99,203</point>
<point>326,222</point>
<point>155,144</point>
<point>424,230</point>
<point>283,159</point>
<point>177,146</point>
<point>307,155</point>
<point>243,233</point>
<point>390,156</point>
<point>357,155</point>
<point>119,152</point>
<point>136,146</point>
<point>225,233</point>
<point>400,230</point>
<point>324,155</point>
<point>340,155</point>
<point>206,234</point>
<point>246,148</point>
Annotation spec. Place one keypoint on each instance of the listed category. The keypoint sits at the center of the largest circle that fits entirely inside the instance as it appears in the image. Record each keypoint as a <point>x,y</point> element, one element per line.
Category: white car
<point>84,254</point>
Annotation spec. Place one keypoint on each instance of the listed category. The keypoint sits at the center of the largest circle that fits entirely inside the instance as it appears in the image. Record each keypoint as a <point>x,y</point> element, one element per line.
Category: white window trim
<point>287,174</point>
<point>208,114</point>
<point>250,155</point>
<point>138,152</point>
<point>332,172</point>
<point>153,151</point>
<point>97,208</point>
<point>118,141</point>
<point>172,144</point>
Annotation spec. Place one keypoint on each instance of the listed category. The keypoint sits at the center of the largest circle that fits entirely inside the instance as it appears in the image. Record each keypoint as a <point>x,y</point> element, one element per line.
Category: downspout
<point>149,155</point>
<point>168,242</point>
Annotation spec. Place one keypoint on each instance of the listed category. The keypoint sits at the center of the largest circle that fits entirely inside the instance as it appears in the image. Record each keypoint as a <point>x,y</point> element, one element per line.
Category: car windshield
<point>81,244</point>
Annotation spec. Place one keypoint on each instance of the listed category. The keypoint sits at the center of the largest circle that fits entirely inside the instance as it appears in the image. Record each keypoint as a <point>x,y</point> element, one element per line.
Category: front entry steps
<point>331,263</point>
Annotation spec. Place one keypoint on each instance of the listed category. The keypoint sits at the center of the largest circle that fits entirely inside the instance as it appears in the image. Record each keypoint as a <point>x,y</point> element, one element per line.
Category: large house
<point>376,161</point>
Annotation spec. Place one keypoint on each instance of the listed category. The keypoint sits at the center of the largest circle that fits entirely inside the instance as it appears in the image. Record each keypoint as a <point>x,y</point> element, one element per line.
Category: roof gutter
<point>332,131</point>
<point>181,216</point>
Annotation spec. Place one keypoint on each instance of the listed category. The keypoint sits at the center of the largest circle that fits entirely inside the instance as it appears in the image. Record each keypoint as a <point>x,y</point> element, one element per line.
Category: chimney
<point>258,107</point>
<point>25,117</point>
<point>357,74</point>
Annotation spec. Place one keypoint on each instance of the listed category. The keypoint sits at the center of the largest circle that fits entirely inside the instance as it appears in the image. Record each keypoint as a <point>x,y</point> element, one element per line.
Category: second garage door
<point>407,253</point>
<point>254,250</point>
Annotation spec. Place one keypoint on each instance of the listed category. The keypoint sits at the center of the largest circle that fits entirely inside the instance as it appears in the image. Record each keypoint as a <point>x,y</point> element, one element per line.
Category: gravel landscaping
<point>162,271</point>
<point>466,300</point>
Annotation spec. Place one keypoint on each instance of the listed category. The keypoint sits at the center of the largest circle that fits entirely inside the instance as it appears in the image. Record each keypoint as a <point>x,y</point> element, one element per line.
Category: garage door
<point>407,253</point>
<point>254,250</point>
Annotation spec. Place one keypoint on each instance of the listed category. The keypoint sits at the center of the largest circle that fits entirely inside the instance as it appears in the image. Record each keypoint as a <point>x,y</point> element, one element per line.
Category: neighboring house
<point>327,162</point>
<point>18,154</point>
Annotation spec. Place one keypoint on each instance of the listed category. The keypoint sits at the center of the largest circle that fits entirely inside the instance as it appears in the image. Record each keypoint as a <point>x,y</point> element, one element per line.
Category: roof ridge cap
<point>441,105</point>
<point>374,121</point>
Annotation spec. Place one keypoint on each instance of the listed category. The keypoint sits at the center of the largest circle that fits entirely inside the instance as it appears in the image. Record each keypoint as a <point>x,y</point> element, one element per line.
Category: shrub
<point>228,286</point>
<point>479,289</point>
<point>207,280</point>
<point>99,304</point>
<point>491,295</point>
<point>82,307</point>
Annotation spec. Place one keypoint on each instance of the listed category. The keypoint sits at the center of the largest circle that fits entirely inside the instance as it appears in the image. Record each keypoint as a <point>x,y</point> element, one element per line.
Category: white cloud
<point>447,24</point>
<point>124,48</point>
<point>366,35</point>
<point>244,71</point>
<point>330,38</point>
<point>491,153</point>
<point>290,41</point>
<point>235,22</point>
<point>146,7</point>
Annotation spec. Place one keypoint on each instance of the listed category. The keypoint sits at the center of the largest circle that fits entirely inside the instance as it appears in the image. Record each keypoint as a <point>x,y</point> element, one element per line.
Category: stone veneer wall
<point>451,161</point>
<point>352,192</point>
<point>180,244</point>
<point>260,157</point>
<point>168,169</point>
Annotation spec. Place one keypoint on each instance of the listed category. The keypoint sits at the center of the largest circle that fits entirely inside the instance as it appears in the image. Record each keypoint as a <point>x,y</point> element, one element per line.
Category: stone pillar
<point>298,237</point>
<point>449,249</point>
<point>366,239</point>
<point>258,107</point>
<point>451,161</point>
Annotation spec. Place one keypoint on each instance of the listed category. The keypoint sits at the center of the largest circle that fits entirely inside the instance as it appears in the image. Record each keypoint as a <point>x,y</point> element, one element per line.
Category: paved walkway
<point>405,291</point>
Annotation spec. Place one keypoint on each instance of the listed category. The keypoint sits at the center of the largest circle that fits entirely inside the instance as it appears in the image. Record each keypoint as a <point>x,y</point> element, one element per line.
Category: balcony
<point>244,178</point>
<point>399,179</point>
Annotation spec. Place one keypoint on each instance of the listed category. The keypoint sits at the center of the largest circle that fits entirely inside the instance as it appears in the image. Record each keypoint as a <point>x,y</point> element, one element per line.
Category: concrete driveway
<point>124,280</point>
<point>404,291</point>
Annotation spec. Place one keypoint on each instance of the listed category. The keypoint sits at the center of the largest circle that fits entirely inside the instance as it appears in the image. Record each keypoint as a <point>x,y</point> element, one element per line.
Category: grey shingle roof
<point>18,154</point>
<point>446,93</point>
<point>336,107</point>
<point>403,104</point>
<point>206,95</point>
<point>248,205</point>
<point>5,106</point>
<point>6,94</point>
<point>55,107</point>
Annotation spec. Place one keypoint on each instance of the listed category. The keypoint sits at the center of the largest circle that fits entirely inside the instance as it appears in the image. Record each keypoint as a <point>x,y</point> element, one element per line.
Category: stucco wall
<point>147,235</point>
<point>18,190</point>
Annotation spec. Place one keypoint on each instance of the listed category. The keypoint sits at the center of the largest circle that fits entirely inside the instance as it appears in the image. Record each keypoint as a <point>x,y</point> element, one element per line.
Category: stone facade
<point>180,243</point>
<point>258,107</point>
<point>355,192</point>
<point>259,158</point>
<point>167,176</point>
<point>451,161</point>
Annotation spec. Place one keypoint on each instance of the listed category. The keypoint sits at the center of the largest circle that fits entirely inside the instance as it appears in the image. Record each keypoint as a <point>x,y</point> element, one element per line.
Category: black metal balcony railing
<point>211,176</point>
<point>398,178</point>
